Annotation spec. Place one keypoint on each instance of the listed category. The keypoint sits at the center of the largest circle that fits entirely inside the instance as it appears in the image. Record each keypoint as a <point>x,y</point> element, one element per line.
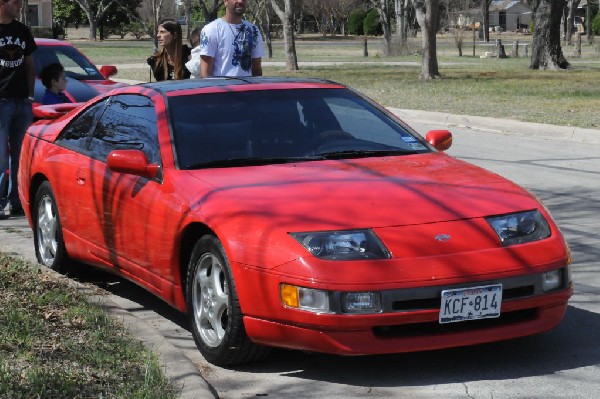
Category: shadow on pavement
<point>125,289</point>
<point>573,344</point>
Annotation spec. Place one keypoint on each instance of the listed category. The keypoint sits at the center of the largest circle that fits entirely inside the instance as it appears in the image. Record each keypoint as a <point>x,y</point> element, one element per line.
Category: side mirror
<point>441,140</point>
<point>53,111</point>
<point>108,70</point>
<point>132,162</point>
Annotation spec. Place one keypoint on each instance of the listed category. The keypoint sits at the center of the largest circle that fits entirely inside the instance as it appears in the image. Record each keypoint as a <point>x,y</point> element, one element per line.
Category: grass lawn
<point>56,344</point>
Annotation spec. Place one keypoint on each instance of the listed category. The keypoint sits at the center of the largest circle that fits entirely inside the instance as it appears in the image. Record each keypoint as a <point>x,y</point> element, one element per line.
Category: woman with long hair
<point>168,63</point>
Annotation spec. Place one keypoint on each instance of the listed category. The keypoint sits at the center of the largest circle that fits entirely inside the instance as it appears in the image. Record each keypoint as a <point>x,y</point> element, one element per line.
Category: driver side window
<point>129,122</point>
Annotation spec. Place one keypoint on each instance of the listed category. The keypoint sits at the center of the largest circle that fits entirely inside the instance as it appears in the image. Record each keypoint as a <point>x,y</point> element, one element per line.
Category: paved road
<point>560,165</point>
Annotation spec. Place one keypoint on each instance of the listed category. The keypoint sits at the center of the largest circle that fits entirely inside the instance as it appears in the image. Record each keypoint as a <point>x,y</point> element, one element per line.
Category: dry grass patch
<point>55,344</point>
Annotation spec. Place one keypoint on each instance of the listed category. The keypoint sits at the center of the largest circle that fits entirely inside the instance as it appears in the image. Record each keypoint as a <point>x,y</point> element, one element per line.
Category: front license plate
<point>471,303</point>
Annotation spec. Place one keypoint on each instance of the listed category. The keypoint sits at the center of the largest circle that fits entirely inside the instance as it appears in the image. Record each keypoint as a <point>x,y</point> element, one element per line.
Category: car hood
<point>83,90</point>
<point>368,192</point>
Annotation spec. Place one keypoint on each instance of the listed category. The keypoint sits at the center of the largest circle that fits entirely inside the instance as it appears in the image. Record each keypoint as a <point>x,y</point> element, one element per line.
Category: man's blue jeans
<point>15,117</point>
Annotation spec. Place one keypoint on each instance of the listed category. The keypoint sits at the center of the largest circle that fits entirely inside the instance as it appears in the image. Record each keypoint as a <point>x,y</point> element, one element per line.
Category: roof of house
<point>503,5</point>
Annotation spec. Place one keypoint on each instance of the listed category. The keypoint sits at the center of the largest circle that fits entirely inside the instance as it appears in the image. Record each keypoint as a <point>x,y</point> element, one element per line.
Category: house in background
<point>579,20</point>
<point>39,13</point>
<point>510,15</point>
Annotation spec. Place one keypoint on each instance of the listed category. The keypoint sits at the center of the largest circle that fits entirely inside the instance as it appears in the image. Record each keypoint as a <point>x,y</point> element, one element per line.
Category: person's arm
<point>30,68</point>
<point>207,65</point>
<point>193,65</point>
<point>256,66</point>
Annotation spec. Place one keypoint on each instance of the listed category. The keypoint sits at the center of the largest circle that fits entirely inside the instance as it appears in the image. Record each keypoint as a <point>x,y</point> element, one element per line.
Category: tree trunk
<point>210,13</point>
<point>188,16</point>
<point>401,27</point>
<point>427,12</point>
<point>291,62</point>
<point>24,18</point>
<point>287,19</point>
<point>268,37</point>
<point>570,21</point>
<point>485,11</point>
<point>588,24</point>
<point>385,14</point>
<point>92,35</point>
<point>546,51</point>
<point>88,8</point>
<point>565,32</point>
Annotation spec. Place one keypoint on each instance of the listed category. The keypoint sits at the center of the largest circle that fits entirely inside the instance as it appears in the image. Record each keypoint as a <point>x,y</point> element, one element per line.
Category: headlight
<point>343,245</point>
<point>519,228</point>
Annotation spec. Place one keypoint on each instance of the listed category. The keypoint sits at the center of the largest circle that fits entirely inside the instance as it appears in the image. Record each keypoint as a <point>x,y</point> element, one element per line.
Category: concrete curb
<point>505,126</point>
<point>177,367</point>
<point>16,239</point>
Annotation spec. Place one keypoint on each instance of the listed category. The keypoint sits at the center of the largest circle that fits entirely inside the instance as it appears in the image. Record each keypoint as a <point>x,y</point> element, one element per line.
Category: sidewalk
<point>16,239</point>
<point>506,126</point>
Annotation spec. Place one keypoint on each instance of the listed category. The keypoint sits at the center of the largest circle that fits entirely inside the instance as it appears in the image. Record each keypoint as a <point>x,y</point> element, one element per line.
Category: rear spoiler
<point>54,111</point>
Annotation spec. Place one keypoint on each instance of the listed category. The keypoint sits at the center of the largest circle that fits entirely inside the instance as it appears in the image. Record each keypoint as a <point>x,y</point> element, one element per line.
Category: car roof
<point>51,42</point>
<point>171,86</point>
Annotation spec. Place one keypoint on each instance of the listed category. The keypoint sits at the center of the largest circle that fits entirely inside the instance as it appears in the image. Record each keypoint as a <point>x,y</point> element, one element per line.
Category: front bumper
<point>409,322</point>
<point>414,331</point>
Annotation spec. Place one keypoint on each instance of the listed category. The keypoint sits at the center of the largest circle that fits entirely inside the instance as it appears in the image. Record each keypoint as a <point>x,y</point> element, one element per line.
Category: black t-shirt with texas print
<point>16,43</point>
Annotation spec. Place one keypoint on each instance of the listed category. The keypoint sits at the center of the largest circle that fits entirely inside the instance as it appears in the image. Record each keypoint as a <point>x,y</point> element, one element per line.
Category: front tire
<point>214,311</point>
<point>47,233</point>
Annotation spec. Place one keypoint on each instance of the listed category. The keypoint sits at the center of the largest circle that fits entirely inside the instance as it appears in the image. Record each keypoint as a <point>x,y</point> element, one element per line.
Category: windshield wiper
<point>254,161</point>
<point>365,153</point>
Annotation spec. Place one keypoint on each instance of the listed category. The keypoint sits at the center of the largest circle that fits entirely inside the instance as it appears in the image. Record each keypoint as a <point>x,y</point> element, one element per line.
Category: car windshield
<point>277,126</point>
<point>76,65</point>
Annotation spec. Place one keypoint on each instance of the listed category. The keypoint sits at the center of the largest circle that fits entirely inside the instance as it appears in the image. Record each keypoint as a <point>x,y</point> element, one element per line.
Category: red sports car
<point>84,80</point>
<point>292,213</point>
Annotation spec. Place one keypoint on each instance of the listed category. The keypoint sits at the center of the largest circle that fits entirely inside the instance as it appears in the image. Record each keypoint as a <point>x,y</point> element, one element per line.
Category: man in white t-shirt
<point>231,46</point>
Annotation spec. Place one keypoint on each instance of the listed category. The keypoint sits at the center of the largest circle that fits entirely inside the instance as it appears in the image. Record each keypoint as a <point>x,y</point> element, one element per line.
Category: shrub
<point>372,24</point>
<point>137,30</point>
<point>58,32</point>
<point>356,21</point>
<point>596,24</point>
<point>41,31</point>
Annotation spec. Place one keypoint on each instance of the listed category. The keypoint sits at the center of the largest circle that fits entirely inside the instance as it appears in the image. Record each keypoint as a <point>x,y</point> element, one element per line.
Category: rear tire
<point>214,311</point>
<point>47,232</point>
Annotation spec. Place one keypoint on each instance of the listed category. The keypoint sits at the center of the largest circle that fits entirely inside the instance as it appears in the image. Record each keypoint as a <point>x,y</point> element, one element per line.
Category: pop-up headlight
<point>520,228</point>
<point>343,245</point>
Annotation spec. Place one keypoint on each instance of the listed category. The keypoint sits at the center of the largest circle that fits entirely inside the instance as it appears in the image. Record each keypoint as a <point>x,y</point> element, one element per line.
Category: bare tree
<point>546,51</point>
<point>457,18</point>
<point>402,7</point>
<point>95,12</point>
<point>24,14</point>
<point>262,14</point>
<point>385,10</point>
<point>588,23</point>
<point>286,15</point>
<point>319,10</point>
<point>210,9</point>
<point>151,12</point>
<point>428,17</point>
<point>569,20</point>
<point>485,12</point>
<point>342,11</point>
